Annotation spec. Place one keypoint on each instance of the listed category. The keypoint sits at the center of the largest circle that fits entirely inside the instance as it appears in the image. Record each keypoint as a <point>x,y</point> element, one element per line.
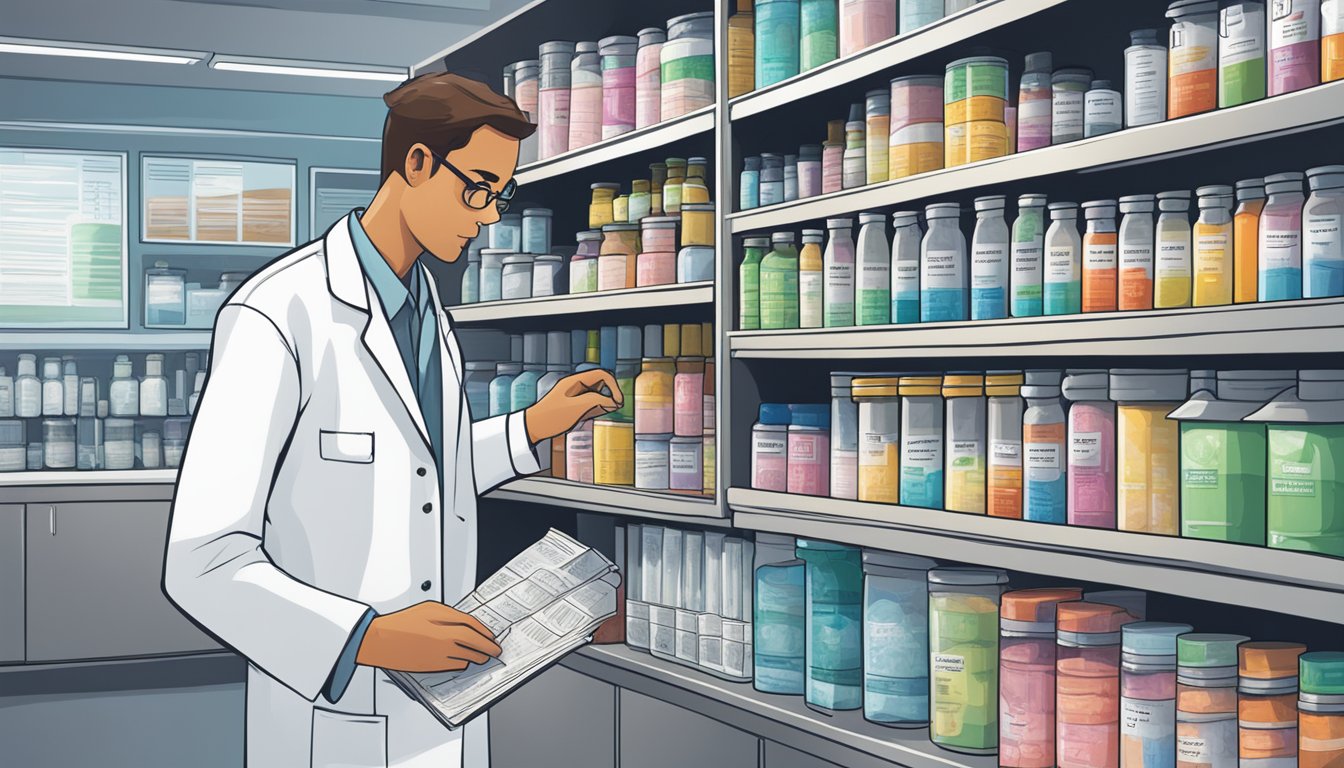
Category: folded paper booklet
<point>545,603</point>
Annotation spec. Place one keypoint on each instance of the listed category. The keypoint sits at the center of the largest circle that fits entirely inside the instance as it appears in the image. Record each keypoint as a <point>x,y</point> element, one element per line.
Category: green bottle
<point>749,284</point>
<point>1223,459</point>
<point>1306,464</point>
<point>779,284</point>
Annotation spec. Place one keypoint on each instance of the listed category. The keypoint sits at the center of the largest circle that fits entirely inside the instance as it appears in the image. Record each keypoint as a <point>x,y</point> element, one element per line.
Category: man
<point>325,514</point>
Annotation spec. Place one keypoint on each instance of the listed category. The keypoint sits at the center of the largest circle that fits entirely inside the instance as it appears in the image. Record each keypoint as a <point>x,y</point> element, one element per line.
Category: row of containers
<point>662,438</point>
<point>582,93</point>
<point>661,232</point>
<point>68,418</point>
<point>928,122</point>
<point>1263,240</point>
<point>1252,457</point>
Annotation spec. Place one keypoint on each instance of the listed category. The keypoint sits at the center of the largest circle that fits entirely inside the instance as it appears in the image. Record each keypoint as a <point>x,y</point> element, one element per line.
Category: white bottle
<point>905,239</point>
<point>839,268</point>
<point>154,388</point>
<point>1102,112</point>
<point>1028,256</point>
<point>27,389</point>
<point>811,283</point>
<point>989,260</point>
<point>1322,242</point>
<point>1145,79</point>
<point>70,382</point>
<point>123,396</point>
<point>6,394</point>
<point>53,387</point>
<point>196,392</point>
<point>943,273</point>
<point>873,265</point>
<point>1063,281</point>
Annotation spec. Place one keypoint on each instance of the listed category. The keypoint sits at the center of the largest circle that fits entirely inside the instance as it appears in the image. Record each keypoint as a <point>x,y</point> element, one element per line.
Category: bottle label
<point>1067,113</point>
<point>941,269</point>
<point>839,294</point>
<point>1005,453</point>
<point>1145,86</point>
<point>1061,266</point>
<point>810,287</point>
<point>1085,449</point>
<point>1147,720</point>
<point>922,453</point>
<point>1173,256</point>
<point>1099,256</point>
<point>1280,249</point>
<point>1294,21</point>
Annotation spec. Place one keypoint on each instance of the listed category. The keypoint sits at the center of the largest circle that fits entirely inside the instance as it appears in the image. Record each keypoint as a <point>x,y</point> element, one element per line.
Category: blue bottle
<point>942,266</point>
<point>834,610</point>
<point>778,611</point>
<point>501,388</point>
<point>749,185</point>
<point>1044,450</point>
<point>1281,238</point>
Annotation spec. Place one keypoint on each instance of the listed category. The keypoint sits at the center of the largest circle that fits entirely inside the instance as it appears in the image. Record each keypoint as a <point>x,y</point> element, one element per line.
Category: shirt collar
<point>392,292</point>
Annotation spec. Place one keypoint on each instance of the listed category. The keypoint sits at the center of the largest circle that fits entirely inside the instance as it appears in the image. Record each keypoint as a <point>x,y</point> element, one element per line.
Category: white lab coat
<point>300,504</point>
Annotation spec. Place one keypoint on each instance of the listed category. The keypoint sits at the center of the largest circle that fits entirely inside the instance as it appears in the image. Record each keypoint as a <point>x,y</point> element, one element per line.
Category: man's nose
<point>488,215</point>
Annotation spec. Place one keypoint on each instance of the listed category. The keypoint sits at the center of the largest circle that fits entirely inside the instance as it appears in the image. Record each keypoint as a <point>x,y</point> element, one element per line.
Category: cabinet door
<point>11,582</point>
<point>94,574</point>
<point>656,734</point>
<point>559,718</point>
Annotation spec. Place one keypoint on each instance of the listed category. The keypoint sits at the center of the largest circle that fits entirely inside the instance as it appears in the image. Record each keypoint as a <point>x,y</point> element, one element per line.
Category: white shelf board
<point>1306,326</point>
<point>52,477</point>
<point>949,31</point>
<point>613,501</point>
<point>835,737</point>
<point>31,340</point>
<point>701,121</point>
<point>1292,113</point>
<point>683,294</point>
<point>1295,583</point>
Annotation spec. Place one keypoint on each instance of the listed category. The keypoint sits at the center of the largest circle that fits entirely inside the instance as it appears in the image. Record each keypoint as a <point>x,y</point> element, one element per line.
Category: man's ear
<point>419,164</point>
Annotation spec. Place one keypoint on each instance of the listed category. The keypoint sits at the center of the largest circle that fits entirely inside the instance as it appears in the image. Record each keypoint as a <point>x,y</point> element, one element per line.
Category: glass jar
<point>151,450</point>
<point>501,387</point>
<point>617,259</point>
<point>657,179</point>
<point>648,77</point>
<point>547,275</point>
<point>1148,693</point>
<point>1267,703</point>
<point>492,273</point>
<point>119,443</point>
<point>653,396</point>
<point>507,233</point>
<point>651,460</point>
<point>154,388</point>
<point>536,232</point>
<point>599,210</point>
<point>585,96</point>
<point>921,462</point>
<point>749,184</point>
<point>780,284</point>
<point>1321,710</point>
<point>124,394</point>
<point>1027,676</point>
<point>779,611</point>
<point>1088,684</point>
<point>165,295</point>
<point>58,439</point>
<point>477,387</point>
<point>964,654</point>
<point>844,438</point>
<point>618,84</point>
<point>471,278</point>
<point>583,264</point>
<point>53,387</point>
<point>687,465</point>
<point>834,590</point>
<point>657,262</point>
<point>1206,700</point>
<point>516,277</point>
<point>896,638</point>
<point>672,188</point>
<point>639,206</point>
<point>697,224</point>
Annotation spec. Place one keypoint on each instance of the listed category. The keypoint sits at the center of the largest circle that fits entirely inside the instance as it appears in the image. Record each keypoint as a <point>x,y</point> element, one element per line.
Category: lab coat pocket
<point>342,740</point>
<point>352,447</point>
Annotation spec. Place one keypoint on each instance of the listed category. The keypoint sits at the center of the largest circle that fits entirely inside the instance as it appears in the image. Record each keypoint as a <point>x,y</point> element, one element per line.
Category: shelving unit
<point>629,502</point>
<point>652,297</point>
<point>687,126</point>
<point>49,477</point>
<point>112,341</point>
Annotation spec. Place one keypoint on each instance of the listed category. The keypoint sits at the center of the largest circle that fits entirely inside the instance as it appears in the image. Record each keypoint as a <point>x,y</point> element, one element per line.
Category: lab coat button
<point>427,508</point>
<point>420,471</point>
<point>424,586</point>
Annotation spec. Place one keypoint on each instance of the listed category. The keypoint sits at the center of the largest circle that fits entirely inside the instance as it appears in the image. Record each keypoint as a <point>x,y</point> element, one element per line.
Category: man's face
<point>434,206</point>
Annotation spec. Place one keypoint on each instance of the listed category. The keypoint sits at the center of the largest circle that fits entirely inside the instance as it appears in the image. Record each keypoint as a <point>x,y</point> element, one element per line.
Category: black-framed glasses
<point>477,194</point>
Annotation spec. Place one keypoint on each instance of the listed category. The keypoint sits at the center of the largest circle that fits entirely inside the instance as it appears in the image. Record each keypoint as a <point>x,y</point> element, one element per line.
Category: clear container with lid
<point>1137,237</point>
<point>1088,636</point>
<point>1148,693</point>
<point>809,450</point>
<point>771,179</point>
<point>1193,55</point>
<point>749,184</point>
<point>1062,281</point>
<point>585,100</point>
<point>640,205</point>
<point>872,305</point>
<point>1068,96</point>
<point>507,233</point>
<point>53,387</point>
<point>1035,102</point>
<point>1323,230</point>
<point>1267,704</point>
<point>165,295</point>
<point>839,274</point>
<point>536,230</point>
<point>896,638</point>
<point>1103,110</point>
<point>1148,448</point>
<point>1004,409</point>
<point>1027,675</point>
<point>617,259</point>
<point>516,277</point>
<point>921,426</point>
<point>989,260</point>
<point>1281,238</point>
<point>648,77</point>
<point>492,273</point>
<point>964,658</point>
<point>749,283</point>
<point>686,465</point>
<point>553,97</point>
<point>1321,709</point>
<point>1206,700</point>
<point>58,439</point>
<point>964,447</point>
<point>779,616</point>
<point>28,388</point>
<point>1044,449</point>
<point>844,438</point>
<point>119,443</point>
<point>812,280</point>
<point>583,264</point>
<point>834,592</point>
<point>769,448</point>
<point>877,134</point>
<point>906,237</point>
<point>1028,256</point>
<point>501,387</point>
<point>600,212</point>
<point>878,439</point>
<point>618,84</point>
<point>124,394</point>
<point>548,275</point>
<point>779,273</point>
<point>943,273</point>
<point>1091,462</point>
<point>613,452</point>
<point>1246,240</point>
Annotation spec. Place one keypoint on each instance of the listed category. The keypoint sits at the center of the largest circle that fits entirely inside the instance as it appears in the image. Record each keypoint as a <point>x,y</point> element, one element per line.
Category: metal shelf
<point>684,294</point>
<point>1306,110</point>
<point>118,340</point>
<point>843,738</point>
<point>944,33</point>
<point>627,502</point>
<point>1294,583</point>
<point>50,477</point>
<point>677,129</point>
<point>1288,327</point>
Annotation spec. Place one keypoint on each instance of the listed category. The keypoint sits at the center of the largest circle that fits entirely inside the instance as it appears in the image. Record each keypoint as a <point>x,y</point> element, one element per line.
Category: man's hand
<point>571,400</point>
<point>427,637</point>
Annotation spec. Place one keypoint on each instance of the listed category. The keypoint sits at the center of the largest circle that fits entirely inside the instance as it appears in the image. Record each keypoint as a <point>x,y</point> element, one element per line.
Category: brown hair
<point>442,111</point>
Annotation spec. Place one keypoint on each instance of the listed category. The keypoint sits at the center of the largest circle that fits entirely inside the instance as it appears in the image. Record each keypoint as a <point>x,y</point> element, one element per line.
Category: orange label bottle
<point>1246,240</point>
<point>1100,257</point>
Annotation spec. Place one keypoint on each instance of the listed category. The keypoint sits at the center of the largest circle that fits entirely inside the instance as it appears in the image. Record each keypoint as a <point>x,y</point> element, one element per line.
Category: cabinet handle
<point>51,519</point>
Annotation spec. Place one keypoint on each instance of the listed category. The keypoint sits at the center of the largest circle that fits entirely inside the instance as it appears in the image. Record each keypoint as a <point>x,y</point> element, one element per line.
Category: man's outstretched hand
<point>427,637</point>
<point>573,399</point>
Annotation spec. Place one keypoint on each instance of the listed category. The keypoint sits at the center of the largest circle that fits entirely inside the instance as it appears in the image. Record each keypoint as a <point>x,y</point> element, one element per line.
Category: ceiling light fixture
<point>308,68</point>
<point>22,45</point>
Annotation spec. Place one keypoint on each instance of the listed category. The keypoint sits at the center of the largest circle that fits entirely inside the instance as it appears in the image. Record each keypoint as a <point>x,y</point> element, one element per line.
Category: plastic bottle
<point>1320,709</point>
<point>741,50</point>
<point>834,589</point>
<point>1068,88</point>
<point>809,170</point>
<point>819,33</point>
<point>1332,42</point>
<point>501,387</point>
<point>1136,252</point>
<point>942,266</point>
<point>1172,270</point>
<point>772,179</point>
<point>811,280</point>
<point>1028,260</point>
<point>1294,45</point>
<point>1241,53</point>
<point>1206,700</point>
<point>123,395</point>
<point>1148,448</point>
<point>921,442</point>
<point>1027,657</point>
<point>809,450</point>
<point>1091,463</point>
<point>833,157</point>
<point>554,98</point>
<point>877,129</point>
<point>649,75</point>
<point>777,40</point>
<point>1148,694</point>
<point>6,395</point>
<point>1087,682</point>
<point>749,184</point>
<point>964,654</point>
<point>1103,110</point>
<point>769,448</point>
<point>1193,58</point>
<point>964,447</point>
<point>989,260</point>
<point>1213,265</point>
<point>919,13</point>
<point>1034,103</point>
<point>1145,79</point>
<point>1306,486</point>
<point>1323,234</point>
<point>53,387</point>
<point>1045,449</point>
<point>844,438</point>
<point>1063,292</point>
<point>585,99</point>
<point>873,271</point>
<point>1246,240</point>
<point>779,284</point>
<point>1281,238</point>
<point>618,84</point>
<point>896,638</point>
<point>879,438</point>
<point>854,162</point>
<point>906,239</point>
<point>778,616</point>
<point>839,281</point>
<point>1100,257</point>
<point>1004,418</point>
<point>1267,703</point>
<point>749,283</point>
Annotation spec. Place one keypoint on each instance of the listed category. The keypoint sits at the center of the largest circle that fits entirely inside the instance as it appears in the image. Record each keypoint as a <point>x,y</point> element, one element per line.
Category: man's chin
<point>449,253</point>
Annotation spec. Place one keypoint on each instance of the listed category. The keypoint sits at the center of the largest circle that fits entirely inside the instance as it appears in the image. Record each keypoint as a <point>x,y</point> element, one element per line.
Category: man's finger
<point>467,637</point>
<point>454,616</point>
<point>467,654</point>
<point>596,401</point>
<point>593,380</point>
